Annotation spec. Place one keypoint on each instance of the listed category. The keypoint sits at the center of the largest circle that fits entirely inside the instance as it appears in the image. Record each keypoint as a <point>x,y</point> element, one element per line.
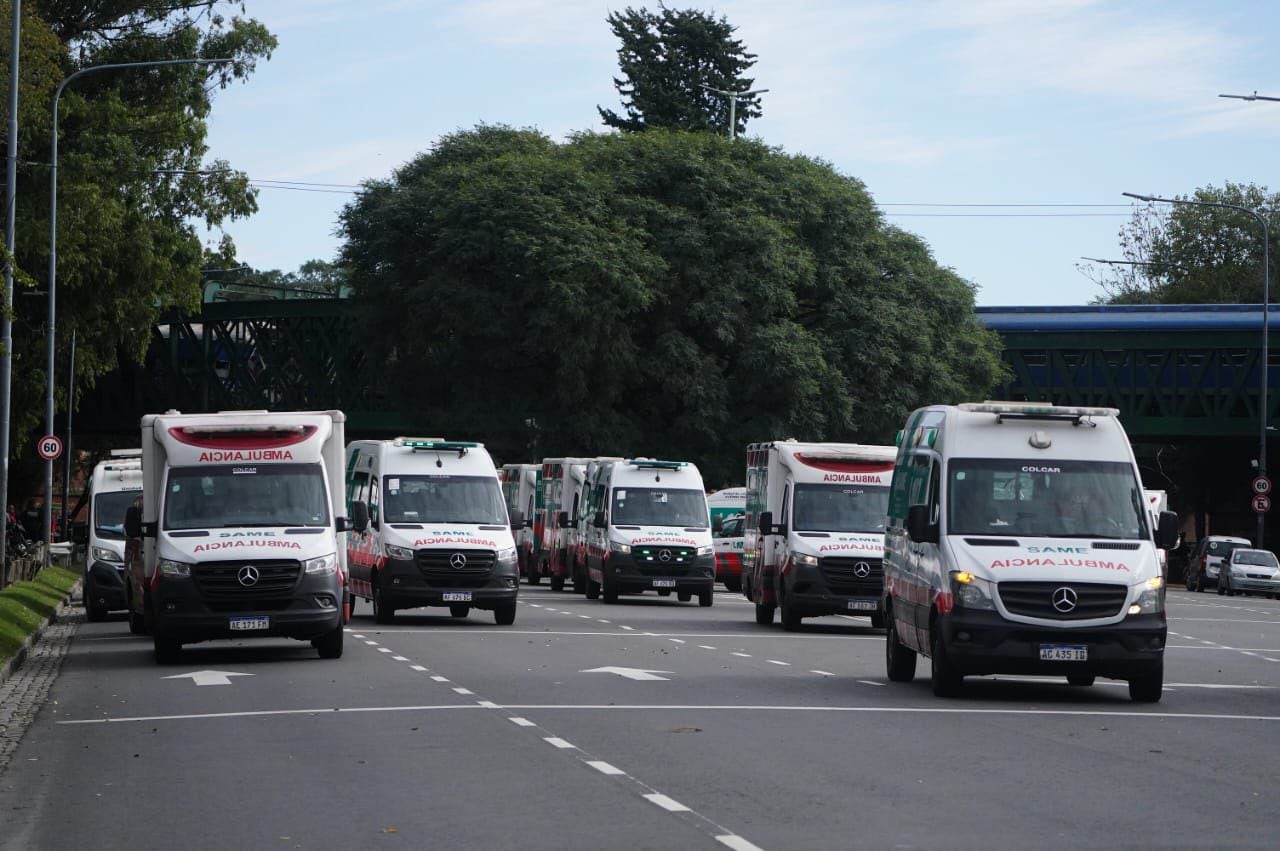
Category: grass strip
<point>24,606</point>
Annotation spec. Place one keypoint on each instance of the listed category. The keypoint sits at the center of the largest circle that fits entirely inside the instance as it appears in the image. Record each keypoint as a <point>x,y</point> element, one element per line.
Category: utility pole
<point>6,322</point>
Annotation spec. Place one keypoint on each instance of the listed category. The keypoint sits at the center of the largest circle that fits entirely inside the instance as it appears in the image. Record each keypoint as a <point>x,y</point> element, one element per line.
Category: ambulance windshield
<point>245,495</point>
<point>108,513</point>
<point>443,499</point>
<point>1046,499</point>
<point>840,508</point>
<point>660,507</point>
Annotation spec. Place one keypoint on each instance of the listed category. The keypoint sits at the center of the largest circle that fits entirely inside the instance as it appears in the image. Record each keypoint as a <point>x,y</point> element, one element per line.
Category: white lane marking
<point>588,617</point>
<point>629,627</point>
<point>602,620</point>
<point>417,667</point>
<point>822,673</point>
<point>1228,620</point>
<point>384,649</point>
<point>676,640</point>
<point>1220,647</point>
<point>776,662</point>
<point>604,767</point>
<point>669,804</point>
<point>371,643</point>
<point>1269,659</point>
<point>460,690</point>
<point>870,683</point>
<point>457,633</point>
<point>536,605</point>
<point>439,678</point>
<point>260,713</point>
<point>557,742</point>
<point>208,678</point>
<point>737,843</point>
<point>629,673</point>
<point>706,647</point>
<point>522,722</point>
<point>353,635</point>
<point>400,658</point>
<point>488,704</point>
<point>743,655</point>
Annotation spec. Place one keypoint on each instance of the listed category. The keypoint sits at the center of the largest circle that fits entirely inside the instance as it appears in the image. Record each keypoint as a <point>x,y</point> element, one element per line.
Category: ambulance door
<point>924,574</point>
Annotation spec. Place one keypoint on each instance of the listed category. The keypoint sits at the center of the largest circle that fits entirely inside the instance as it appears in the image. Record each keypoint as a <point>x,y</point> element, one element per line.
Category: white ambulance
<point>814,530</point>
<point>562,481</point>
<point>114,486</point>
<point>727,506</point>
<point>1019,542</point>
<point>241,531</point>
<point>430,528</point>
<point>521,484</point>
<point>648,529</point>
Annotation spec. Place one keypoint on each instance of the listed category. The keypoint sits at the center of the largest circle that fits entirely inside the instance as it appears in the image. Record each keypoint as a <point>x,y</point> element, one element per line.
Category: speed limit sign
<point>49,447</point>
<point>1262,485</point>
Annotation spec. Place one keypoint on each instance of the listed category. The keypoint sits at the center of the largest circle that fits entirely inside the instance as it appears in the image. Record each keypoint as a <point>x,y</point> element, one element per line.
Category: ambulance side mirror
<point>562,520</point>
<point>517,520</point>
<point>766,523</point>
<point>1167,530</point>
<point>920,527</point>
<point>716,526</point>
<point>599,521</point>
<point>359,516</point>
<point>133,522</point>
<point>80,534</point>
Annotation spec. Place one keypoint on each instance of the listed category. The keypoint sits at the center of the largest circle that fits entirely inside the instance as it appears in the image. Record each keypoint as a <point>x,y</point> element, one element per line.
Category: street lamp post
<point>1266,323</point>
<point>733,97</point>
<point>53,260</point>
<point>1254,96</point>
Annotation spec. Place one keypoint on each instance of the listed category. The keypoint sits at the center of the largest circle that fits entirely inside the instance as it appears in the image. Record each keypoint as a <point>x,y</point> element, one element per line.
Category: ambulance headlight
<point>393,551</point>
<point>507,557</point>
<point>1150,597</point>
<point>619,547</point>
<point>706,551</point>
<point>323,566</point>
<point>173,569</point>
<point>802,560</point>
<point>972,592</point>
<point>105,554</point>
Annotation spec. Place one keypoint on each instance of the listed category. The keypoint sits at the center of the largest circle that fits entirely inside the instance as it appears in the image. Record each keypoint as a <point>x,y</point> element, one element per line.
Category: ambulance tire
<point>1147,688</point>
<point>382,612</point>
<point>791,619</point>
<point>593,588</point>
<point>899,659</point>
<point>734,584</point>
<point>877,620</point>
<point>764,614</point>
<point>95,613</point>
<point>557,583</point>
<point>329,645</point>
<point>943,677</point>
<point>136,625</point>
<point>609,590</point>
<point>579,582</point>
<point>535,577</point>
<point>706,598</point>
<point>168,650</point>
<point>459,610</point>
<point>505,614</point>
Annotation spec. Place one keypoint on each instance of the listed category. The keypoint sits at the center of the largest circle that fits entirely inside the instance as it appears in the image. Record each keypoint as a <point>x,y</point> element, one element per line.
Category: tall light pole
<point>1263,373</point>
<point>6,322</point>
<point>733,97</point>
<point>53,260</point>
<point>1254,96</point>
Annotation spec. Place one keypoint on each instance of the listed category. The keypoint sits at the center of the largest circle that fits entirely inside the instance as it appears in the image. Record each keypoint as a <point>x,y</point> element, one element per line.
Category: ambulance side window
<point>373,502</point>
<point>359,490</point>
<point>784,517</point>
<point>922,482</point>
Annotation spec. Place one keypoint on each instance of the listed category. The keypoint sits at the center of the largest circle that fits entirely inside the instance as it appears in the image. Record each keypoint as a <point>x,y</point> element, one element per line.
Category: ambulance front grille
<point>853,576</point>
<point>1037,599</point>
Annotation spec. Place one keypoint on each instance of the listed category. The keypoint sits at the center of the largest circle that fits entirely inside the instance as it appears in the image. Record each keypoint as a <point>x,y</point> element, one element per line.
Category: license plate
<point>664,583</point>
<point>238,624</point>
<point>457,596</point>
<point>863,605</point>
<point>1064,653</point>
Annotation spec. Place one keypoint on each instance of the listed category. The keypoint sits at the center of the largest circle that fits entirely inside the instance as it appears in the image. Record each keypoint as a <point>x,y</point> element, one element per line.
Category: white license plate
<point>238,624</point>
<point>664,583</point>
<point>1064,653</point>
<point>863,605</point>
<point>457,596</point>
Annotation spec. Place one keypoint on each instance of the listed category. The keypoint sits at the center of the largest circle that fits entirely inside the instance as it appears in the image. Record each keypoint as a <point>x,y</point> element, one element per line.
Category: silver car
<point>1248,571</point>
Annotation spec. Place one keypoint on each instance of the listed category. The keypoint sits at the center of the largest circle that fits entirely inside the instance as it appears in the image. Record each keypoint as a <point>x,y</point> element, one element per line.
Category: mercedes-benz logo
<point>458,561</point>
<point>248,576</point>
<point>862,570</point>
<point>664,555</point>
<point>1064,599</point>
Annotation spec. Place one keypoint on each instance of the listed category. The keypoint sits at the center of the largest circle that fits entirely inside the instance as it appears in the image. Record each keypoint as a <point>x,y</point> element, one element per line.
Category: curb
<point>15,662</point>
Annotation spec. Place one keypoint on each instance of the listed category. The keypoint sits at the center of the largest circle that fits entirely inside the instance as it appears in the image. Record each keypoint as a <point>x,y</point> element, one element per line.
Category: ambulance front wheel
<point>877,620</point>
<point>557,583</point>
<point>459,610</point>
<point>383,612</point>
<point>764,614</point>
<point>505,614</point>
<point>733,583</point>
<point>329,645</point>
<point>593,588</point>
<point>706,598</point>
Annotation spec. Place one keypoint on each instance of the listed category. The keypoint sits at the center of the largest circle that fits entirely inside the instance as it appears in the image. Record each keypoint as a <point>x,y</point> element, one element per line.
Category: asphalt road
<point>436,733</point>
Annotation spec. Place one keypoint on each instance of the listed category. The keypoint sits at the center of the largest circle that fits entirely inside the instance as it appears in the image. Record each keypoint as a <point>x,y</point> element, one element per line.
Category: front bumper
<point>811,595</point>
<point>1264,586</point>
<point>628,576</point>
<point>407,588</point>
<point>104,586</point>
<point>311,609</point>
<point>979,642</point>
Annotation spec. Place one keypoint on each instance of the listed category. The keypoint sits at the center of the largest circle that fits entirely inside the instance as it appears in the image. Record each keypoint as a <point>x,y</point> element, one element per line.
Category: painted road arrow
<point>209,678</point>
<point>629,673</point>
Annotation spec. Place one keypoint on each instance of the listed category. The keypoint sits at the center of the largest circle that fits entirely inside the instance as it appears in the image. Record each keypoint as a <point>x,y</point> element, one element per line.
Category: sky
<point>1002,132</point>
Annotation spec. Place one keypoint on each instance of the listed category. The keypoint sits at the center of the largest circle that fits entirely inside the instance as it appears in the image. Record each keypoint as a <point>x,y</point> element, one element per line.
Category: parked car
<point>1249,571</point>
<point>1206,561</point>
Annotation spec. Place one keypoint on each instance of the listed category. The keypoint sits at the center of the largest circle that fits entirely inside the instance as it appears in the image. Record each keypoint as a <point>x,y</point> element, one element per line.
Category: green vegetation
<point>26,605</point>
<point>658,292</point>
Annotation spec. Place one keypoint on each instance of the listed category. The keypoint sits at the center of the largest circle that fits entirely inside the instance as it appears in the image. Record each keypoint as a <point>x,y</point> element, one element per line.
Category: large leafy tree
<point>136,183</point>
<point>663,293</point>
<point>1190,254</point>
<point>666,58</point>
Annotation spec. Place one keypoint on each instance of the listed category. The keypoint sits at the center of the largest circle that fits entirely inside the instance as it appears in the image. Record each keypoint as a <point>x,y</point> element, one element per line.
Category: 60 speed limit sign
<point>49,447</point>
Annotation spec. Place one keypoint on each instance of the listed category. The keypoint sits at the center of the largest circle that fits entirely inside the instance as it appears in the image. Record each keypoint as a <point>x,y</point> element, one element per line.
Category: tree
<point>666,58</point>
<point>1187,254</point>
<point>134,175</point>
<point>662,293</point>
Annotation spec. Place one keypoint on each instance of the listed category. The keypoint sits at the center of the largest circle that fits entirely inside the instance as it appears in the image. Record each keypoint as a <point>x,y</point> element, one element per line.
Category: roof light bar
<point>1040,409</point>
<point>657,465</point>
<point>244,429</point>
<point>438,444</point>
